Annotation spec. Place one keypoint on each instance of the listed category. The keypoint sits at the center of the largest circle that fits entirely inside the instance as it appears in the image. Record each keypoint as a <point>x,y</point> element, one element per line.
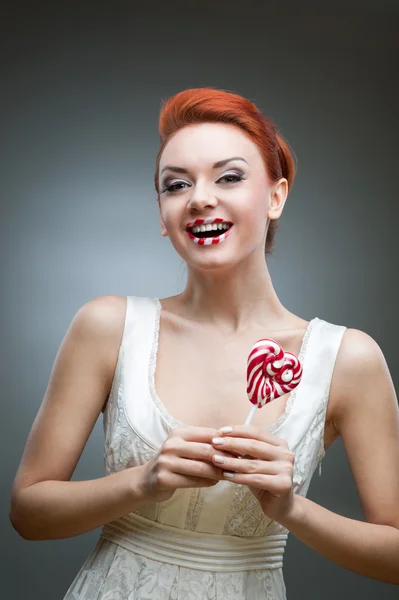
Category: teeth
<point>210,227</point>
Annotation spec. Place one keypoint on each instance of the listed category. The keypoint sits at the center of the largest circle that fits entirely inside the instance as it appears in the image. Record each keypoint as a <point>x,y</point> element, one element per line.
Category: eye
<point>235,176</point>
<point>172,187</point>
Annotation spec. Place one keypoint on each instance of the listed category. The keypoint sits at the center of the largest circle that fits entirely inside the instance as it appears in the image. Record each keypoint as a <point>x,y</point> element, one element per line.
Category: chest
<point>201,380</point>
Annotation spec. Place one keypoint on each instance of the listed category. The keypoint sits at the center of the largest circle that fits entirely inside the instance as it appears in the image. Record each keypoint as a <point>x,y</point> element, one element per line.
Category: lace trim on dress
<point>194,508</point>
<point>311,446</point>
<point>292,396</point>
<point>121,449</point>
<point>171,421</point>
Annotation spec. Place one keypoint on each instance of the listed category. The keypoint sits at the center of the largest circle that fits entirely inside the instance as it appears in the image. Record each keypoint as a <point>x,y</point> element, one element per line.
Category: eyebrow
<point>219,163</point>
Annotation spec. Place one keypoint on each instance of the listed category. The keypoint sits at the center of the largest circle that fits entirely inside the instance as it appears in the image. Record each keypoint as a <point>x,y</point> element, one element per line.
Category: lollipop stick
<point>251,414</point>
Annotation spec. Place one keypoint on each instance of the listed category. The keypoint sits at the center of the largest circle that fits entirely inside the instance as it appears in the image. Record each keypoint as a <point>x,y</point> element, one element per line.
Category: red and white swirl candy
<point>271,373</point>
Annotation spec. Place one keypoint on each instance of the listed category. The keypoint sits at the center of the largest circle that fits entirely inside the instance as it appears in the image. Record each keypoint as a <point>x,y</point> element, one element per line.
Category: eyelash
<point>168,188</point>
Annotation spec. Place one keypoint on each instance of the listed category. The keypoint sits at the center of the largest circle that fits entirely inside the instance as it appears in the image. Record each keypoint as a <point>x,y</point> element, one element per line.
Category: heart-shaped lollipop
<point>271,373</point>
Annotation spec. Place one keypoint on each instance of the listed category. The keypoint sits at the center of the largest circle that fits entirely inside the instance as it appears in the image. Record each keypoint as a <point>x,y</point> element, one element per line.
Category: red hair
<point>210,105</point>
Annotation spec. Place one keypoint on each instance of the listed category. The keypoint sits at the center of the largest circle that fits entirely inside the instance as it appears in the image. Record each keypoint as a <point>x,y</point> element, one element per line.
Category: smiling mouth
<point>209,237</point>
<point>209,231</point>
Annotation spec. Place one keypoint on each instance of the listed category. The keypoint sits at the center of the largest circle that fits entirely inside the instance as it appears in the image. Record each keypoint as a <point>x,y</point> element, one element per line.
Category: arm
<point>60,509</point>
<point>365,414</point>
<point>45,504</point>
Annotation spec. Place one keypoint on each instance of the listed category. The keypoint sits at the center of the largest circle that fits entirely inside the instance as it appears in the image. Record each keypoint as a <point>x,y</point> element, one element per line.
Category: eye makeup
<point>168,186</point>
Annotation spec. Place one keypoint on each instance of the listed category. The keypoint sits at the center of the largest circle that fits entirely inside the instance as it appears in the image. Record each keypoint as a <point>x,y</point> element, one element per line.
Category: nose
<point>201,198</point>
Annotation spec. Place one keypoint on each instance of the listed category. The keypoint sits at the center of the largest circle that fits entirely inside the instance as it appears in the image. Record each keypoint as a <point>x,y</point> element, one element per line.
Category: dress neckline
<point>163,411</point>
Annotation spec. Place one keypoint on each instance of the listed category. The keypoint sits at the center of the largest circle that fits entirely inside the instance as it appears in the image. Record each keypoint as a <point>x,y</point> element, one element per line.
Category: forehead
<point>207,143</point>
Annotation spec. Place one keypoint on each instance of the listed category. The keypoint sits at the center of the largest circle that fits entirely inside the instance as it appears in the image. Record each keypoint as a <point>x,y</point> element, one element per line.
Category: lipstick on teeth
<point>200,226</point>
<point>211,241</point>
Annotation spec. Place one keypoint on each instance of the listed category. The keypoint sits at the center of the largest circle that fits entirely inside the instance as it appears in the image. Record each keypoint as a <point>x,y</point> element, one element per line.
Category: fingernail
<point>228,474</point>
<point>226,429</point>
<point>218,441</point>
<point>219,459</point>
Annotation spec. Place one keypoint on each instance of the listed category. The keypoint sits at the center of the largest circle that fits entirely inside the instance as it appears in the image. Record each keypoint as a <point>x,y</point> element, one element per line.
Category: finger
<point>195,434</point>
<point>176,446</point>
<point>248,447</point>
<point>276,484</point>
<point>250,431</point>
<point>196,468</point>
<point>183,481</point>
<point>250,467</point>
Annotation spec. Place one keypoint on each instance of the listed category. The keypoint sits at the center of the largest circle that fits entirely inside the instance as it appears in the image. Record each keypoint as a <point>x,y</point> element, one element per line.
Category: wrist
<point>137,486</point>
<point>295,514</point>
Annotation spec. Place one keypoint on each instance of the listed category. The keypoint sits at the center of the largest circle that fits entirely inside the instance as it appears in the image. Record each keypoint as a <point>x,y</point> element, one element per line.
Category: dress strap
<point>304,429</point>
<point>313,391</point>
<point>139,341</point>
<point>137,308</point>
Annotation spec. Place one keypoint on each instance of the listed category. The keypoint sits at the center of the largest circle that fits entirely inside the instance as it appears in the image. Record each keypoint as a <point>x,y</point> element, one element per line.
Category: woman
<point>195,504</point>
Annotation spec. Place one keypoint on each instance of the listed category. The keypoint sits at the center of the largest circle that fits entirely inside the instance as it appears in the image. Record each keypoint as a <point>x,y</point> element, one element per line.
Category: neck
<point>235,299</point>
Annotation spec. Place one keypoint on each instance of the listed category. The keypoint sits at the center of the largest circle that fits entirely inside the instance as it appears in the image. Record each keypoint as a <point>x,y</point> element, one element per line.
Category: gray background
<point>81,86</point>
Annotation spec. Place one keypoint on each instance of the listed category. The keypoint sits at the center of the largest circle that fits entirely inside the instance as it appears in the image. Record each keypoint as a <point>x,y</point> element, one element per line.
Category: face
<point>215,208</point>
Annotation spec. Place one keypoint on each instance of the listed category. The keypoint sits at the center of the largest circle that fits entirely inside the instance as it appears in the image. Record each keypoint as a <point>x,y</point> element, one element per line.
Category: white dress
<point>203,543</point>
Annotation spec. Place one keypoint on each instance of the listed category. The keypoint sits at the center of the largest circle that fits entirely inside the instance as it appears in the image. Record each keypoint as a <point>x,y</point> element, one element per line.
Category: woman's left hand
<point>263,462</point>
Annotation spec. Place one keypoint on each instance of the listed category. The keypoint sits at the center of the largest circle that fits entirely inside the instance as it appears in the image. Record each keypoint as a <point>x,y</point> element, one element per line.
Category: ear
<point>164,233</point>
<point>278,196</point>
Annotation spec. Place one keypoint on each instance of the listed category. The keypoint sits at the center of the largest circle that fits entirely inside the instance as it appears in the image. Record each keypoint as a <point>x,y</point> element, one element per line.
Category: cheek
<point>253,225</point>
<point>254,214</point>
<point>168,215</point>
<point>173,222</point>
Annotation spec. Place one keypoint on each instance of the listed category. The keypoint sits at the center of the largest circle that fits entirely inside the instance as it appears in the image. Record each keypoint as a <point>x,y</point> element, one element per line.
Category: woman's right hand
<point>183,461</point>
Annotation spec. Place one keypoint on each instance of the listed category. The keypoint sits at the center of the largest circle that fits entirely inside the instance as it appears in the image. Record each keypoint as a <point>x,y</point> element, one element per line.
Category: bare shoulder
<point>105,315</point>
<point>103,318</point>
<point>358,351</point>
<point>359,363</point>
